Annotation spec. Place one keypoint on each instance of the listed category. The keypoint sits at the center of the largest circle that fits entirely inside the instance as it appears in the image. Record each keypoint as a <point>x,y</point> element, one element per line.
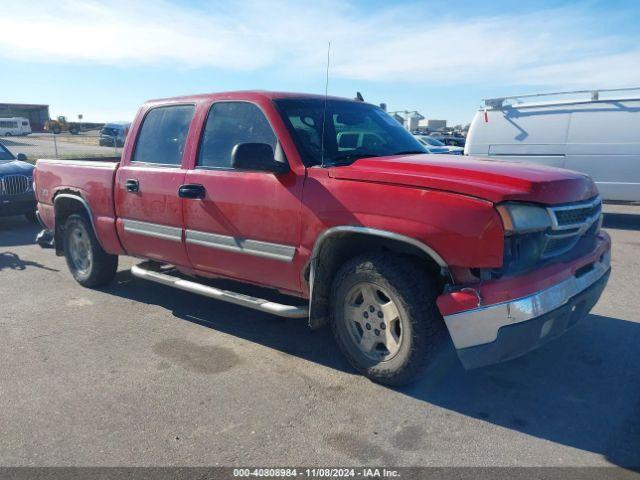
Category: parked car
<point>350,140</point>
<point>596,136</point>
<point>114,134</point>
<point>453,140</point>
<point>393,248</point>
<point>16,192</point>
<point>14,126</point>
<point>436,146</point>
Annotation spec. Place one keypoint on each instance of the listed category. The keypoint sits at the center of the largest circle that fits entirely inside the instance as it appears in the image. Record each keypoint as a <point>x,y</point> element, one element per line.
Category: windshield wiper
<point>350,158</point>
<point>409,152</point>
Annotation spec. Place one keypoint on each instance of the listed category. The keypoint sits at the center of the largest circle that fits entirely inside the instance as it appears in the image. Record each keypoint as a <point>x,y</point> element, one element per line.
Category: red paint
<point>91,180</point>
<point>446,202</point>
<point>492,180</point>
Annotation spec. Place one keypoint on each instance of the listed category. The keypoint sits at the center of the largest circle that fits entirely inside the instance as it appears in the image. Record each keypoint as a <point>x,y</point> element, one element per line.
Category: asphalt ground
<point>139,374</point>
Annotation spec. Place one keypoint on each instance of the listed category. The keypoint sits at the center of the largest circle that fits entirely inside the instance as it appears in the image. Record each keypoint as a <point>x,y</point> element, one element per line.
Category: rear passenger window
<point>228,124</point>
<point>163,135</point>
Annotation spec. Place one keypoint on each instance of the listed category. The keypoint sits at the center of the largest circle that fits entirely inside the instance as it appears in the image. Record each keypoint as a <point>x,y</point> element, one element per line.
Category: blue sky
<point>104,58</point>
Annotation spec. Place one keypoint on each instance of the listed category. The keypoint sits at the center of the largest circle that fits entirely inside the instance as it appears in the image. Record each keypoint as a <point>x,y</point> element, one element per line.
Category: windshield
<point>4,153</point>
<point>352,130</point>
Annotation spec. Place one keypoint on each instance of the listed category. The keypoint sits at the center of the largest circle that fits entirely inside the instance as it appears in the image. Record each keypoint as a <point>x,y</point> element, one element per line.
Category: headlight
<point>523,218</point>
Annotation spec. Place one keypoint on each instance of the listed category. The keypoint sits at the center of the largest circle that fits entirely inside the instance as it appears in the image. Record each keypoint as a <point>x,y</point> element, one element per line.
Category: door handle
<point>191,190</point>
<point>132,185</point>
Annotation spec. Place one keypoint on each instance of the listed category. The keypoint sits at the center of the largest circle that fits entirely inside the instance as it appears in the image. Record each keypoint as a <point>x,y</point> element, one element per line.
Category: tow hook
<point>475,292</point>
<point>45,239</point>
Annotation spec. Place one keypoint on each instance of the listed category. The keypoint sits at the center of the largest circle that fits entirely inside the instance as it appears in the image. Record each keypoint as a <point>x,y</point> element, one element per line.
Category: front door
<point>247,224</point>
<point>148,208</point>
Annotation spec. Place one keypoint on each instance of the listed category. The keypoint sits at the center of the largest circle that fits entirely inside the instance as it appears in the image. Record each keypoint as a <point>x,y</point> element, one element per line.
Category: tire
<point>55,129</point>
<point>390,286</point>
<point>89,264</point>
<point>8,134</point>
<point>31,216</point>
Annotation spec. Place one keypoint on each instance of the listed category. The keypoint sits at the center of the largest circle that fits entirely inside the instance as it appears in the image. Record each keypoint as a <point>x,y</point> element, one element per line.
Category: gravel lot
<point>140,374</point>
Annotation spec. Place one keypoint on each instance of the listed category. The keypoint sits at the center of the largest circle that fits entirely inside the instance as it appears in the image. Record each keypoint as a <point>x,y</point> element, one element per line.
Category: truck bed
<point>92,179</point>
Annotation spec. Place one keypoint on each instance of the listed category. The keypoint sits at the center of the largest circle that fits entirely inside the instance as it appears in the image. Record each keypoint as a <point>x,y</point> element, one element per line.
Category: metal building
<point>37,114</point>
<point>407,119</point>
<point>433,125</point>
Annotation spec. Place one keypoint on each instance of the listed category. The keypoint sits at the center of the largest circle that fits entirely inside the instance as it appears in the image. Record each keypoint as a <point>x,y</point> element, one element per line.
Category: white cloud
<point>399,43</point>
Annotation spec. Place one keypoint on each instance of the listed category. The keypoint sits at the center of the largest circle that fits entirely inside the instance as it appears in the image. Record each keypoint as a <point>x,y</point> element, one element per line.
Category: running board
<point>289,311</point>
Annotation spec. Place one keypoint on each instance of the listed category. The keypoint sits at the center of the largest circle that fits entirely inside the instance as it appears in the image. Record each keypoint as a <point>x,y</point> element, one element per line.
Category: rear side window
<point>228,124</point>
<point>163,135</point>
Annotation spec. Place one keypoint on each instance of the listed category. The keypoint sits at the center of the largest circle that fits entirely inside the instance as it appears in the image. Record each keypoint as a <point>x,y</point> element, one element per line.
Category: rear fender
<point>66,204</point>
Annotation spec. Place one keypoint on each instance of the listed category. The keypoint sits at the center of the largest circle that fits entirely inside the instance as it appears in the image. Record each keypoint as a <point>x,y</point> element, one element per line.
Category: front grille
<point>569,224</point>
<point>14,184</point>
<point>577,215</point>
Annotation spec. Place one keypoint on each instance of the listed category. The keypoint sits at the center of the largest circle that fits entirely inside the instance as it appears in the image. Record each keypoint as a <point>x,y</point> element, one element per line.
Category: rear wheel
<point>56,129</point>
<point>89,264</point>
<point>384,317</point>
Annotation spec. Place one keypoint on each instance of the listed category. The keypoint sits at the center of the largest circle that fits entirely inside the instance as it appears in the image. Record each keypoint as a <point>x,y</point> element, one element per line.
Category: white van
<point>597,136</point>
<point>14,126</point>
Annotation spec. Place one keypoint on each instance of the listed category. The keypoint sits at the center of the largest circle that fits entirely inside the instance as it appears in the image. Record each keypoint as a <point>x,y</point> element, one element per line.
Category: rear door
<point>247,224</point>
<point>147,204</point>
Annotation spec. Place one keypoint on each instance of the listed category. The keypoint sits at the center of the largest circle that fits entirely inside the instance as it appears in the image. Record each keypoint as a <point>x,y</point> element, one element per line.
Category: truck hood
<point>488,179</point>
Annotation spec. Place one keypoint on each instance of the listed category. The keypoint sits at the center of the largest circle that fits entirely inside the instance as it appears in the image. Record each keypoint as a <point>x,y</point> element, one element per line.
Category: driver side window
<point>228,124</point>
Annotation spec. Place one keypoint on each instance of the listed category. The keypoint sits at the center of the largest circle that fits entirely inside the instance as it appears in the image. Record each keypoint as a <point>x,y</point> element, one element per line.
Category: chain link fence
<point>84,144</point>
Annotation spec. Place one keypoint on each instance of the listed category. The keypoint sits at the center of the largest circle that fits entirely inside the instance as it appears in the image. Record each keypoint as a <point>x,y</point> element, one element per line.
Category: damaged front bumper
<point>501,331</point>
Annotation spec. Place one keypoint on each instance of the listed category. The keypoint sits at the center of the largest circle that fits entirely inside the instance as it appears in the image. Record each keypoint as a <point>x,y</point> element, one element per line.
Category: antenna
<point>324,111</point>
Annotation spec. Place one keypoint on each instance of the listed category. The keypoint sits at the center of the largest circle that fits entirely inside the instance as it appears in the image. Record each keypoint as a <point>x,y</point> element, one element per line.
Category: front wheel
<point>89,264</point>
<point>385,318</point>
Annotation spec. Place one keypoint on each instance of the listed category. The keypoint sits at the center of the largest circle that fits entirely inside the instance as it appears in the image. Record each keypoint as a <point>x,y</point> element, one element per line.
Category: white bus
<point>14,126</point>
<point>598,135</point>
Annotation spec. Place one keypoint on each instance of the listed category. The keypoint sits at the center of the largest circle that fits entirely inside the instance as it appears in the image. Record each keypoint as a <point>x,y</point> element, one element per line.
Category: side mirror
<point>256,156</point>
<point>22,157</point>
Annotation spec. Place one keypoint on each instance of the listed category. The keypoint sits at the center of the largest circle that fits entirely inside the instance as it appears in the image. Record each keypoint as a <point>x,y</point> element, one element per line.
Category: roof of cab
<point>246,95</point>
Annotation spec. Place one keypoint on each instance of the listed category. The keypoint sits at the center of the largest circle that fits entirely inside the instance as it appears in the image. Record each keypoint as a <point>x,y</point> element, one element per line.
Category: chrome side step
<point>289,311</point>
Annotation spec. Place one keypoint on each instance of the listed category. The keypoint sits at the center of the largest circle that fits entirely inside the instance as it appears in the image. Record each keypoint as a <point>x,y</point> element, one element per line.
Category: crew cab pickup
<point>394,248</point>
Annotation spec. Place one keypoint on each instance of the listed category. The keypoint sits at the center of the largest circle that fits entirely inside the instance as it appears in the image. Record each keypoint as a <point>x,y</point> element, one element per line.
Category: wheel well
<point>66,203</point>
<point>341,247</point>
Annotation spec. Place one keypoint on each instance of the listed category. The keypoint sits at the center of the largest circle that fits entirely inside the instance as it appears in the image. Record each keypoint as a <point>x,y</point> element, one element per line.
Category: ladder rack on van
<point>498,102</point>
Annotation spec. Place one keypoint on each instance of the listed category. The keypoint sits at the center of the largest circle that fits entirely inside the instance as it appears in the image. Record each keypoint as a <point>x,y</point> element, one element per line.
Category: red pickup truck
<point>332,202</point>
